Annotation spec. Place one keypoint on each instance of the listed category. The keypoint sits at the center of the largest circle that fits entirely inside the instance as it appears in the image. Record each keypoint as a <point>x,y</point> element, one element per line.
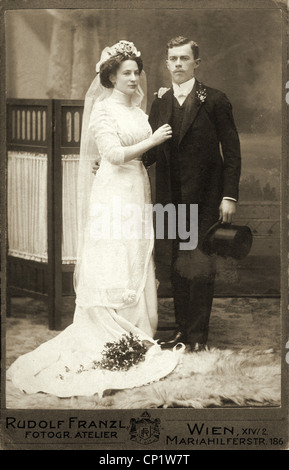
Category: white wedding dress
<point>116,291</point>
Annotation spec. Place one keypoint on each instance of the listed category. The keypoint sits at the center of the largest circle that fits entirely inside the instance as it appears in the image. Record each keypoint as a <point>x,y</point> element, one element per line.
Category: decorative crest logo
<point>144,430</point>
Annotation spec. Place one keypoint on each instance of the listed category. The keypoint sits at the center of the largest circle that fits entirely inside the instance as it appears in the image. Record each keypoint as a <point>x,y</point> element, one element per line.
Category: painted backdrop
<point>52,54</point>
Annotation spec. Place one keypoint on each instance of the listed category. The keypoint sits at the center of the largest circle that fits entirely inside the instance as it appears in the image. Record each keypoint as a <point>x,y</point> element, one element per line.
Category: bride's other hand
<point>162,134</point>
<point>95,167</point>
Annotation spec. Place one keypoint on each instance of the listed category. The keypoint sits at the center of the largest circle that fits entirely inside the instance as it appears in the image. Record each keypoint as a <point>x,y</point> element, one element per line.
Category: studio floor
<point>236,323</point>
<point>241,368</point>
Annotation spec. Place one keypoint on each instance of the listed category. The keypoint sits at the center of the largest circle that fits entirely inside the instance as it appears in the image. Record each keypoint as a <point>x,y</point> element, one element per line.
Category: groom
<point>190,169</point>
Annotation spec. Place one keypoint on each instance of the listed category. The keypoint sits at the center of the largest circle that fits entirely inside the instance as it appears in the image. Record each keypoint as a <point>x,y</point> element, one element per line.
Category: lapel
<point>192,107</point>
<point>166,109</point>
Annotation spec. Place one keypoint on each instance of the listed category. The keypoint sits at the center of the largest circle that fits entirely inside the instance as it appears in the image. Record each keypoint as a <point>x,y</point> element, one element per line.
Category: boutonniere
<point>201,95</point>
<point>161,92</point>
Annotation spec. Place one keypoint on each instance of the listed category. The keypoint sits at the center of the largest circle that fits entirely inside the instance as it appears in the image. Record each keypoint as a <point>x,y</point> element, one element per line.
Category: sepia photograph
<point>144,227</point>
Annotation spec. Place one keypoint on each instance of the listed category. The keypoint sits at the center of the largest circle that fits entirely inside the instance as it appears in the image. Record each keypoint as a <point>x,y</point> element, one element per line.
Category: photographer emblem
<point>144,430</point>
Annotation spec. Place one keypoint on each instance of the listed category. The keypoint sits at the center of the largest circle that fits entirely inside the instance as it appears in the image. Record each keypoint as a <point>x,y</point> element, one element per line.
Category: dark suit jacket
<point>206,173</point>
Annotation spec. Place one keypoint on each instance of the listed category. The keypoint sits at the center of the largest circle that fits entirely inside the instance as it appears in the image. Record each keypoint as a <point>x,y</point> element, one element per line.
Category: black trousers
<point>192,277</point>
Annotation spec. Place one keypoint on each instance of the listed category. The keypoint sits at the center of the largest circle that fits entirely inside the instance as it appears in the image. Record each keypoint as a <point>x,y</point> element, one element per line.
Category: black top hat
<point>228,240</point>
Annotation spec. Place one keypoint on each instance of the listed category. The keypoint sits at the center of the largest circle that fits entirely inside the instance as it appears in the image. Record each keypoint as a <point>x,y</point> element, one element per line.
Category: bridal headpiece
<point>124,48</point>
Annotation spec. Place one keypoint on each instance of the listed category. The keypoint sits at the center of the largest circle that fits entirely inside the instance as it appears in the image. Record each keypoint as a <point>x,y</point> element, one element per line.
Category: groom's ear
<point>197,62</point>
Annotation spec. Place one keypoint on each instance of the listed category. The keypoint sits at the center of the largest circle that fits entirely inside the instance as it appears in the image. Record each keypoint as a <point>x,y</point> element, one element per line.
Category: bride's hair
<point>111,66</point>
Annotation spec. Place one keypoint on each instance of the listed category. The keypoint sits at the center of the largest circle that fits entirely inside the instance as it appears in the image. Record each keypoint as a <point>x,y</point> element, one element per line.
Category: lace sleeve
<point>105,134</point>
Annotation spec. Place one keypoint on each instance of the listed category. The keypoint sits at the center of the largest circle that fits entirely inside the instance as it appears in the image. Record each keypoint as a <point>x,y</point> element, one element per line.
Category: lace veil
<point>88,148</point>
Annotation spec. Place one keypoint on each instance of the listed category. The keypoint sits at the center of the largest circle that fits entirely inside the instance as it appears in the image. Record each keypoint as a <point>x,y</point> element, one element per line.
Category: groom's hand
<point>227,210</point>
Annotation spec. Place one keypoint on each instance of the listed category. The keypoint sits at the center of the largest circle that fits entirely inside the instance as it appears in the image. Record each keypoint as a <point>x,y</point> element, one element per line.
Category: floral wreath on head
<point>125,48</point>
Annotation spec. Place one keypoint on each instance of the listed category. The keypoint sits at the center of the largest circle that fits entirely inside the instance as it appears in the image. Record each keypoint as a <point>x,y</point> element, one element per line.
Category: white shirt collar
<point>184,88</point>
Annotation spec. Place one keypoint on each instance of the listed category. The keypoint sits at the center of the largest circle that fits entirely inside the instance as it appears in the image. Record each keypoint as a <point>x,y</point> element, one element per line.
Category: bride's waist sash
<point>124,177</point>
<point>128,169</point>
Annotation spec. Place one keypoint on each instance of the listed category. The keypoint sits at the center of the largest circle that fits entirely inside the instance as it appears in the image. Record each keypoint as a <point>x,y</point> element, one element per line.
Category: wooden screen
<point>52,129</point>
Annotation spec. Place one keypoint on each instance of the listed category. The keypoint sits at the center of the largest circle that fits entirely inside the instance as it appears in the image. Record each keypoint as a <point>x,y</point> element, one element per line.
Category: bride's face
<point>126,78</point>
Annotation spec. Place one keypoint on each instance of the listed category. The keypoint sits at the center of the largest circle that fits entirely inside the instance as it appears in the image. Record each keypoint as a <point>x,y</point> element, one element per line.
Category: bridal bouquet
<point>119,355</point>
<point>122,354</point>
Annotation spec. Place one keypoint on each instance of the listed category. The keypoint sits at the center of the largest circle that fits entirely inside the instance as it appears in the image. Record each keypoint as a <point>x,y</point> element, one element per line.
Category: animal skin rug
<point>212,378</point>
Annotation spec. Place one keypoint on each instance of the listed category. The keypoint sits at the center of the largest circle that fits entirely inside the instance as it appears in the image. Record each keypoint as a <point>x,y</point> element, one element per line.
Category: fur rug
<point>212,378</point>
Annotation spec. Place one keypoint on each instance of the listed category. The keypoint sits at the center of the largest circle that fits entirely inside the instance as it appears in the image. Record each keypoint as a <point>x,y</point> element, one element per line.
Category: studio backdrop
<point>51,55</point>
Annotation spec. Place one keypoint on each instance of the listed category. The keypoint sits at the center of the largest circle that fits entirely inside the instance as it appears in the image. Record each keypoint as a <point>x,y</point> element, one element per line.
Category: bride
<point>110,343</point>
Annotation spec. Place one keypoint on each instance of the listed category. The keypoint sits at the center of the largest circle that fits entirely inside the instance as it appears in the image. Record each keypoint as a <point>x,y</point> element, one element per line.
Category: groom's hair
<point>181,41</point>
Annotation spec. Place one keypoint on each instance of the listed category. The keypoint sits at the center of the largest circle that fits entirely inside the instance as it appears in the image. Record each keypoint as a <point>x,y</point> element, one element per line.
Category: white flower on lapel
<point>161,92</point>
<point>201,95</point>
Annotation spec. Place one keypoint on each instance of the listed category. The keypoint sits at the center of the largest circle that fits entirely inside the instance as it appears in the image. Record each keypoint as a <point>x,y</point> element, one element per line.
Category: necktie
<point>180,95</point>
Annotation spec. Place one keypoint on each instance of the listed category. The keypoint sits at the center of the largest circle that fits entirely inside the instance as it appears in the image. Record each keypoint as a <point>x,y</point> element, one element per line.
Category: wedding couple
<point>110,344</point>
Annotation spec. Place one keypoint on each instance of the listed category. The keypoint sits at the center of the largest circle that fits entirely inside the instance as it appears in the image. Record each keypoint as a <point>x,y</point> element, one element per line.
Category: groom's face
<point>181,63</point>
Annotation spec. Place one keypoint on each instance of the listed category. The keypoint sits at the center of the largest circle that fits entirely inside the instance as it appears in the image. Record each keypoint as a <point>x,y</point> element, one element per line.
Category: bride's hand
<point>162,134</point>
<point>95,167</point>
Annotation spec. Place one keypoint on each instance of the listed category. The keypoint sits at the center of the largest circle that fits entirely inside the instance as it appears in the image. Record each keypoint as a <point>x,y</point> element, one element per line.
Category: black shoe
<point>178,337</point>
<point>197,347</point>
